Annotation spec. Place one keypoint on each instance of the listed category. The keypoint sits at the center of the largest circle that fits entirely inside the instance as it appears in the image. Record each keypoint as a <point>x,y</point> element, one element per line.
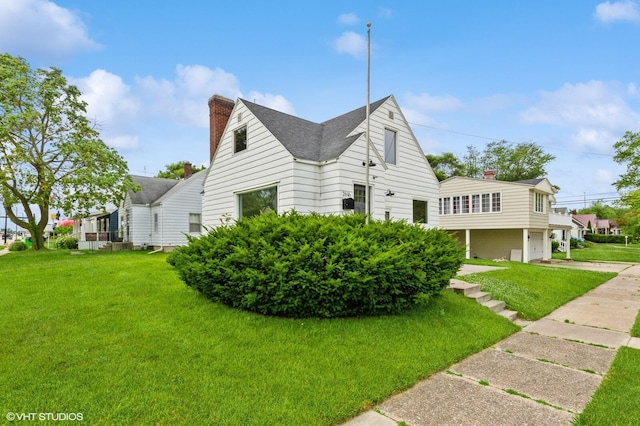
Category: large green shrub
<point>18,246</point>
<point>67,242</point>
<point>319,266</point>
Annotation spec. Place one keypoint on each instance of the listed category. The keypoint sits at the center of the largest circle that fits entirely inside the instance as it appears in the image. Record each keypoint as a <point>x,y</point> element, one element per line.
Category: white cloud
<point>277,102</point>
<point>122,142</point>
<point>348,19</point>
<point>428,103</point>
<point>625,10</point>
<point>593,140</point>
<point>351,43</point>
<point>184,99</point>
<point>42,28</point>
<point>594,104</point>
<point>109,99</point>
<point>112,105</point>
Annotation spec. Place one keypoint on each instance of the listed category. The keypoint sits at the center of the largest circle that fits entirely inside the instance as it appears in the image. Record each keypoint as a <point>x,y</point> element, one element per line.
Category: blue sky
<point>564,74</point>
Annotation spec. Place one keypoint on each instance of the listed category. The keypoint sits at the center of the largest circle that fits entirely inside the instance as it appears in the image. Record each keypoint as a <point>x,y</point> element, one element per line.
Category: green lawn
<point>617,400</point>
<point>535,291</point>
<point>604,252</point>
<point>118,338</point>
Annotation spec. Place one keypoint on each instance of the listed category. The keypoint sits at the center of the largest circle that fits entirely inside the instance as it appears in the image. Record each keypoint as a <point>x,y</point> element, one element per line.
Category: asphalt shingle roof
<point>151,188</point>
<point>308,140</point>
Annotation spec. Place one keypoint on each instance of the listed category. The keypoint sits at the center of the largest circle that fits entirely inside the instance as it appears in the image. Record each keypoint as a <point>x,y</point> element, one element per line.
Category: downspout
<point>161,231</point>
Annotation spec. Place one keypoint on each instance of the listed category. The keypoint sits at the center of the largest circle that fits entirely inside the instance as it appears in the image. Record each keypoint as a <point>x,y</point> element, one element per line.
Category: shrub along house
<point>163,212</point>
<point>502,220</point>
<point>264,159</point>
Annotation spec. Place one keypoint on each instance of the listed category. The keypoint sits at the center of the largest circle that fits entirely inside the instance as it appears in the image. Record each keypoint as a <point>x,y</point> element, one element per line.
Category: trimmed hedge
<point>319,266</point>
<point>601,238</point>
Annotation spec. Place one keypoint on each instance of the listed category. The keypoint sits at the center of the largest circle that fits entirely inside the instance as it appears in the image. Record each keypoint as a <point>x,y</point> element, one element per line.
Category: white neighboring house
<point>163,212</point>
<point>265,159</point>
<point>496,219</point>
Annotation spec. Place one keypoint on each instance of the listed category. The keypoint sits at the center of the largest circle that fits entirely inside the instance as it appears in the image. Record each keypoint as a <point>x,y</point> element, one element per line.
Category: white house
<point>163,212</point>
<point>265,159</point>
<point>495,219</point>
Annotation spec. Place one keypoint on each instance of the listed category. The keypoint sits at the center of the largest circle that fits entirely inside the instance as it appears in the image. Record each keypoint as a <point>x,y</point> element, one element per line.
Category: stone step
<point>508,314</point>
<point>495,305</point>
<point>480,296</point>
<point>462,287</point>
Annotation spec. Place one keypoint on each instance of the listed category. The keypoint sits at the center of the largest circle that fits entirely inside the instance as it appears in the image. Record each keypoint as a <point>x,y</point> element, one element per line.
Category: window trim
<point>426,211</point>
<point>199,223</point>
<point>235,143</point>
<point>395,146</point>
<point>238,195</point>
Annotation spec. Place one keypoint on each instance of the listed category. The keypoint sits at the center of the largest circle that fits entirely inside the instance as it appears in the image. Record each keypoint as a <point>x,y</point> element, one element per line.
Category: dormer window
<point>240,139</point>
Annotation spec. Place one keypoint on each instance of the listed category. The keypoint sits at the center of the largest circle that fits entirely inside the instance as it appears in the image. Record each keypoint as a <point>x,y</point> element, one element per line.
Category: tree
<point>511,162</point>
<point>445,165</point>
<point>51,153</point>
<point>176,170</point>
<point>628,152</point>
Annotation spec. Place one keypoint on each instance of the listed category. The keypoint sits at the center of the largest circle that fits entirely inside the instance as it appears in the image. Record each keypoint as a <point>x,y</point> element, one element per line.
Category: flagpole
<point>367,208</point>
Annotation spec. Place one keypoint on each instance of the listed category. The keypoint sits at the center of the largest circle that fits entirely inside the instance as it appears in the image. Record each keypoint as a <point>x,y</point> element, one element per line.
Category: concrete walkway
<point>542,375</point>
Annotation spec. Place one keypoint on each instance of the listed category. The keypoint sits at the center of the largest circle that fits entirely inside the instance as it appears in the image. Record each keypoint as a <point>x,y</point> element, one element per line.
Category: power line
<point>503,139</point>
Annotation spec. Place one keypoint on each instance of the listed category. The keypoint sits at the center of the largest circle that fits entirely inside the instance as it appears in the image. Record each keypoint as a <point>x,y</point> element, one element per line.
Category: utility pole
<point>367,194</point>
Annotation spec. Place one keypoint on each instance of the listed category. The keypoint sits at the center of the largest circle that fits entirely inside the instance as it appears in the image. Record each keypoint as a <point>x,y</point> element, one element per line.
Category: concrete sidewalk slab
<point>581,333</point>
<point>598,311</point>
<point>371,418</point>
<point>616,267</point>
<point>473,269</point>
<point>634,343</point>
<point>445,399</point>
<point>560,386</point>
<point>569,354</point>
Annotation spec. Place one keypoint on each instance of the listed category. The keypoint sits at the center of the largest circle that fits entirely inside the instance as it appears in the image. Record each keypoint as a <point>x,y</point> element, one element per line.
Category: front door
<point>359,199</point>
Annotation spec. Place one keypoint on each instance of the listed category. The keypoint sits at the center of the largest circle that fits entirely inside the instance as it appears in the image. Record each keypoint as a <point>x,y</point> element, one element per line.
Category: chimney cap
<point>220,98</point>
<point>489,174</point>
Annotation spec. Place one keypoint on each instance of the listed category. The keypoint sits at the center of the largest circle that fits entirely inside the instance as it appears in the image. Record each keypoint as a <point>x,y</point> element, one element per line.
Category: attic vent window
<point>391,115</point>
<point>239,117</point>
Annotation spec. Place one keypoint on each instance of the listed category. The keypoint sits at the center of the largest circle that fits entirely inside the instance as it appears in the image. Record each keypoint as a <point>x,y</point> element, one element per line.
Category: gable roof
<point>312,141</point>
<point>151,188</point>
<point>182,183</point>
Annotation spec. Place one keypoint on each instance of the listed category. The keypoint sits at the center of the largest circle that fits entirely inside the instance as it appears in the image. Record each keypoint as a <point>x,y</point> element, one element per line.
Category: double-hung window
<point>194,222</point>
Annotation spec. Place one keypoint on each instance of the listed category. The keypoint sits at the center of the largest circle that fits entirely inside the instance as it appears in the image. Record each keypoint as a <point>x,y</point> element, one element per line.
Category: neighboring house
<point>578,229</point>
<point>263,159</point>
<point>501,220</point>
<point>96,230</point>
<point>163,212</point>
<point>592,224</point>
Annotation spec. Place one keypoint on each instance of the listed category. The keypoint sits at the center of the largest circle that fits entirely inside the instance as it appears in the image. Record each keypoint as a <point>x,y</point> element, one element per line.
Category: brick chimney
<point>490,174</point>
<point>219,112</point>
<point>187,170</point>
